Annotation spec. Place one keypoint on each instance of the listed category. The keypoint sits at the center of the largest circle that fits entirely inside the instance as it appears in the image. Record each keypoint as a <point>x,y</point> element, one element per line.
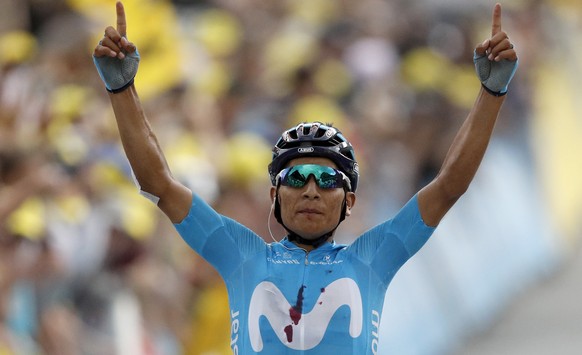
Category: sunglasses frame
<point>283,173</point>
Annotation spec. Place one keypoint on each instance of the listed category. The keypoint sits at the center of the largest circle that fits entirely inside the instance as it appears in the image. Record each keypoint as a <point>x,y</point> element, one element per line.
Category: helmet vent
<point>320,132</point>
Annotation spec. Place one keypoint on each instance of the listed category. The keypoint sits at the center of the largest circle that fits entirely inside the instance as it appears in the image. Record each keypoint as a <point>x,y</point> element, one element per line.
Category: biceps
<point>434,203</point>
<point>176,201</point>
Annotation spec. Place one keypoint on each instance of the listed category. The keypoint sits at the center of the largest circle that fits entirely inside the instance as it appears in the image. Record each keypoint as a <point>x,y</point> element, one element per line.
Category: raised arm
<point>116,60</point>
<point>495,62</point>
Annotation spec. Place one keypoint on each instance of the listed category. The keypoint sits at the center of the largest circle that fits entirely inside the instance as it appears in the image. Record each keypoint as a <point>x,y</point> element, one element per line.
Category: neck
<point>309,244</point>
<point>305,247</point>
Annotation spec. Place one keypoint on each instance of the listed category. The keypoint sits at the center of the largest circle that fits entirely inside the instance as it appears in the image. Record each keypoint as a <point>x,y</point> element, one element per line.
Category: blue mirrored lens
<point>325,177</point>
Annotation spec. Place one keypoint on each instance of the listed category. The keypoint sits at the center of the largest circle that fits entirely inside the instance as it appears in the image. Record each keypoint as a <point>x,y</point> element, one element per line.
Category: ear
<point>273,193</point>
<point>350,202</point>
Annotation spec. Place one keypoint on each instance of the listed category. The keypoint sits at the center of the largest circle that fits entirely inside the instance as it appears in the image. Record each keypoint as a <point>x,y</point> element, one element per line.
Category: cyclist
<point>305,294</point>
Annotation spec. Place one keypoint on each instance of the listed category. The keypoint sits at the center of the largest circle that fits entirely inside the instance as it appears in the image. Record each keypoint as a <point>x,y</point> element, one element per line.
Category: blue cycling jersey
<point>284,300</point>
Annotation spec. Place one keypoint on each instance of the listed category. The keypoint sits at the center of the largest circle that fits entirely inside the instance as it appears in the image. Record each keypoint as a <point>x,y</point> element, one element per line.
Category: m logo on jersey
<point>306,330</point>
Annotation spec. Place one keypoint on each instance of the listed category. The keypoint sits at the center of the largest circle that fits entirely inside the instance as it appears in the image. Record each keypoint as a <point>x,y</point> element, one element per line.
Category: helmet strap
<point>294,237</point>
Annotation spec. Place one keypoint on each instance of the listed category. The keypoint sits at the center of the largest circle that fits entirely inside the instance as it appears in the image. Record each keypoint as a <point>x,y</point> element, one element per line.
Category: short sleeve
<point>223,242</point>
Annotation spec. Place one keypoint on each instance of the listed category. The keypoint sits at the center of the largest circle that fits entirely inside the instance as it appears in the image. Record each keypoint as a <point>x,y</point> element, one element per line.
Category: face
<point>311,211</point>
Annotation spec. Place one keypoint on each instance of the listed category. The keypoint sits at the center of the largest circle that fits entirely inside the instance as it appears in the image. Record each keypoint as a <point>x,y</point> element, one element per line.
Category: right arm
<point>139,141</point>
<point>146,157</point>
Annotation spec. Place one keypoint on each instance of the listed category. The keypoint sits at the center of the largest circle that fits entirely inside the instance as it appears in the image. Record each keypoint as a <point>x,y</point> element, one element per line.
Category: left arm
<point>462,160</point>
<point>470,143</point>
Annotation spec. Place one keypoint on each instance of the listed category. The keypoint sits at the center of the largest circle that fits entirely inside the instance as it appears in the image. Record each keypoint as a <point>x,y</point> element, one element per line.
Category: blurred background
<point>87,266</point>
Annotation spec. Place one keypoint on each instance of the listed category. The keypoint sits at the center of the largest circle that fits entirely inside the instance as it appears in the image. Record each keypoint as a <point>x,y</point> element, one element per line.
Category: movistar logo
<point>297,330</point>
<point>305,150</point>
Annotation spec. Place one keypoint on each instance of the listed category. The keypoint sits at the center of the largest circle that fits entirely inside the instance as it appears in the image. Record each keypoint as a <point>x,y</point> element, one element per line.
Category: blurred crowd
<point>87,266</point>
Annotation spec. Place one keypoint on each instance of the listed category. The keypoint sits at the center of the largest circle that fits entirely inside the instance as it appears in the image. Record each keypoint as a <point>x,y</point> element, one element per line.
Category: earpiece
<point>269,219</point>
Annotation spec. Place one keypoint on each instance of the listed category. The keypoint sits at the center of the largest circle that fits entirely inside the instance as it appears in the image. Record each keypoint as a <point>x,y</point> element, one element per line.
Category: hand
<point>115,57</point>
<point>496,59</point>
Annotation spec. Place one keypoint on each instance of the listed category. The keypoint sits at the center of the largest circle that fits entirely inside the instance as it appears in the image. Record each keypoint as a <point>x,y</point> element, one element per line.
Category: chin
<point>311,235</point>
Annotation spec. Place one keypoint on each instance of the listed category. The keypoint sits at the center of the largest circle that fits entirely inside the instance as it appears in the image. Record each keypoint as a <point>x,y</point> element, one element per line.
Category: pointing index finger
<point>496,25</point>
<point>121,23</point>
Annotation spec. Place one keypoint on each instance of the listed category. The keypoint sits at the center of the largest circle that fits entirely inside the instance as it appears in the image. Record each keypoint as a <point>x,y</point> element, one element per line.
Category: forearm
<point>462,160</point>
<point>140,143</point>
<point>469,146</point>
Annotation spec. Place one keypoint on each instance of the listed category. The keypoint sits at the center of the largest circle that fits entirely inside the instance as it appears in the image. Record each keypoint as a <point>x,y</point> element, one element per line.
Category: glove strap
<point>494,93</point>
<point>123,88</point>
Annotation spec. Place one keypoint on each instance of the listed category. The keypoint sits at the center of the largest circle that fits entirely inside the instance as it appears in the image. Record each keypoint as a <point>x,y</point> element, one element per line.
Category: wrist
<point>494,93</point>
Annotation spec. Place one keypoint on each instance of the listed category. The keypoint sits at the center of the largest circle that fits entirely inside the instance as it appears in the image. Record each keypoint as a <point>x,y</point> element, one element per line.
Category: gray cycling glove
<point>117,74</point>
<point>494,76</point>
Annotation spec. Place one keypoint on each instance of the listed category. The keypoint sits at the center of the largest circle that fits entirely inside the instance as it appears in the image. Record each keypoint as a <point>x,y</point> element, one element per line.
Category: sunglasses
<point>325,177</point>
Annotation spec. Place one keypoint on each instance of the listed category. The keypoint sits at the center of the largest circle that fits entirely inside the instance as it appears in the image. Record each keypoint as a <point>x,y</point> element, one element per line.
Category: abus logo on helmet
<point>305,150</point>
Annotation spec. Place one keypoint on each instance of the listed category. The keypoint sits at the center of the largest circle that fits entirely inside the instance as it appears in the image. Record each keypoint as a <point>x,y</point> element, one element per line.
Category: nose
<point>311,189</point>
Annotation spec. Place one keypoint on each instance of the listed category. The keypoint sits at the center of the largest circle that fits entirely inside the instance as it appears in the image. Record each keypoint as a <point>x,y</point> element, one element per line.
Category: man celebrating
<point>305,294</point>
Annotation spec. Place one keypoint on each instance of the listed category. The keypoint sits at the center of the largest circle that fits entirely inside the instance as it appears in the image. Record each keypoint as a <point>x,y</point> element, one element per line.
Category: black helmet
<point>315,140</point>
